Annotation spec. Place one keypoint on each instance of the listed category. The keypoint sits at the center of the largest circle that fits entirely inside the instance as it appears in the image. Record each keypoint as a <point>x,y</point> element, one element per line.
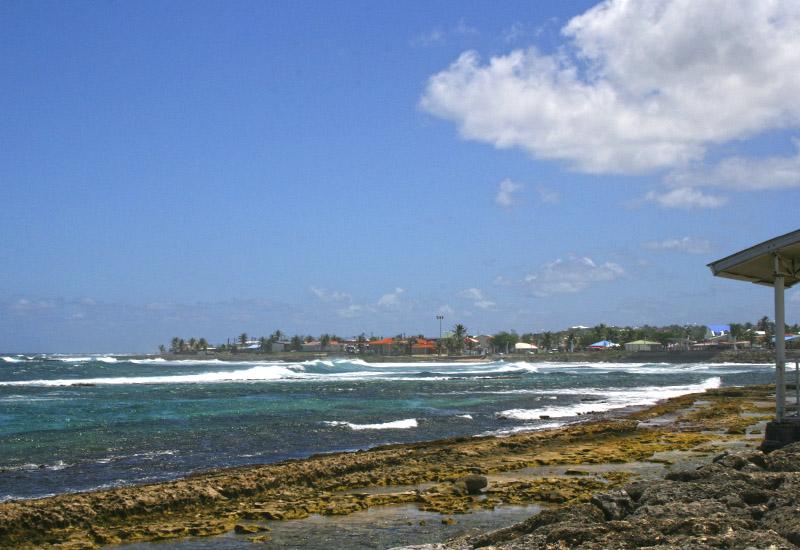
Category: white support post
<point>780,344</point>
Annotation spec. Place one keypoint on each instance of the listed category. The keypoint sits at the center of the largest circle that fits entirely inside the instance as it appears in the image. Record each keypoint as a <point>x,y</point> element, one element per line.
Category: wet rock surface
<point>745,499</point>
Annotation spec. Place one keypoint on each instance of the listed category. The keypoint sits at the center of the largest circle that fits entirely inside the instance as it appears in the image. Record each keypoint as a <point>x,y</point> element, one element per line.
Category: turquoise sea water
<point>79,423</point>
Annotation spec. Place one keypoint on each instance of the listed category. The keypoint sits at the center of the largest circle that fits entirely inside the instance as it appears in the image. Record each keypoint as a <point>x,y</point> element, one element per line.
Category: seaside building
<point>280,347</point>
<point>717,333</point>
<point>603,344</point>
<point>773,263</point>
<point>523,347</point>
<point>403,346</point>
<point>644,345</point>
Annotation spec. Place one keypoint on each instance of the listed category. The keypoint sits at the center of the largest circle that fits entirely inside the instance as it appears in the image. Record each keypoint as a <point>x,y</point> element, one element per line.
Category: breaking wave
<point>395,425</point>
<point>610,399</point>
<point>255,374</point>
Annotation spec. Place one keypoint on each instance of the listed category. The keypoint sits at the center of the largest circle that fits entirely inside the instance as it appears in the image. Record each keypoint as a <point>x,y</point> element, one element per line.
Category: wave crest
<point>394,425</point>
<point>614,399</point>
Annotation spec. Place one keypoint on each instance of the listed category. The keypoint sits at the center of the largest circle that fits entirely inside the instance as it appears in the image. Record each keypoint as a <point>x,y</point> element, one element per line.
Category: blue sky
<point>203,169</point>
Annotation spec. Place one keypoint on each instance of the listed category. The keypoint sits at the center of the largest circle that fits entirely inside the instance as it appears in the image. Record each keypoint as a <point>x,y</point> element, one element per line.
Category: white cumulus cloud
<point>478,298</point>
<point>686,198</point>
<point>506,193</point>
<point>638,86</point>
<point>391,299</point>
<point>743,173</point>
<point>329,296</point>
<point>689,245</point>
<point>571,275</point>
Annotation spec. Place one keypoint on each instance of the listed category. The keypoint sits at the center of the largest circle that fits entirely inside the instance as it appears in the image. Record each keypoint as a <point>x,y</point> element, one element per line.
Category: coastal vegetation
<point>459,341</point>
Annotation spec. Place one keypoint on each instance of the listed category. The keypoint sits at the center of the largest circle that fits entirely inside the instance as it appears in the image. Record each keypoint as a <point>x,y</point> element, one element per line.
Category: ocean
<point>76,423</point>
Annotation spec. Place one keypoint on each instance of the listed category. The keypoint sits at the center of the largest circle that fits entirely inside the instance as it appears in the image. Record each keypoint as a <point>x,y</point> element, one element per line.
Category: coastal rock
<point>245,529</point>
<point>732,502</point>
<point>614,504</point>
<point>474,483</point>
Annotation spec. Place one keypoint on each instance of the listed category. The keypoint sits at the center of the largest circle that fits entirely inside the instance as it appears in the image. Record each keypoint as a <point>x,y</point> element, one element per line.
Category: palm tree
<point>297,343</point>
<point>276,336</point>
<point>192,343</point>
<point>324,340</point>
<point>571,342</point>
<point>202,344</point>
<point>265,344</point>
<point>243,338</point>
<point>175,345</point>
<point>161,349</point>
<point>765,325</point>
<point>737,331</point>
<point>411,343</point>
<point>547,340</point>
<point>182,344</point>
<point>459,333</point>
<point>361,342</point>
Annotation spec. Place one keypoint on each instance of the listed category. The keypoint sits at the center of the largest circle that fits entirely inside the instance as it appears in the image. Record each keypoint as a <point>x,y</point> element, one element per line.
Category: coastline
<point>548,468</point>
<point>618,356</point>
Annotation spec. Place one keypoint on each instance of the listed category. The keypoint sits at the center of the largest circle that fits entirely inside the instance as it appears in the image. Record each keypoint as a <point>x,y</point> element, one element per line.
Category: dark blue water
<point>78,423</point>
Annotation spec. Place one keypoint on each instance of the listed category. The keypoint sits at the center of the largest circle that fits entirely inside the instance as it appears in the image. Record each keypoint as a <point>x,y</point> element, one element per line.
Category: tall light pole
<point>439,343</point>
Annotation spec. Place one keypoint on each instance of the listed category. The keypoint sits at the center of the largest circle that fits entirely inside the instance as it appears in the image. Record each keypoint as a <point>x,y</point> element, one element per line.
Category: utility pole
<point>439,343</point>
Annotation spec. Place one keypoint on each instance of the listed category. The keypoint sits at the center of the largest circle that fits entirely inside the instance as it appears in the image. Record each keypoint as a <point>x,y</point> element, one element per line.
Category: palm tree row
<point>178,345</point>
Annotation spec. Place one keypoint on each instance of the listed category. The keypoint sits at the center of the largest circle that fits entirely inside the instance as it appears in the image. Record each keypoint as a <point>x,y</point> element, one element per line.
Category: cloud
<point>439,36</point>
<point>547,196</point>
<point>435,37</point>
<point>329,296</point>
<point>686,198</point>
<point>24,305</point>
<point>391,299</point>
<point>353,310</point>
<point>515,33</point>
<point>571,275</point>
<point>477,297</point>
<point>637,86</point>
<point>743,174</point>
<point>506,193</point>
<point>689,245</point>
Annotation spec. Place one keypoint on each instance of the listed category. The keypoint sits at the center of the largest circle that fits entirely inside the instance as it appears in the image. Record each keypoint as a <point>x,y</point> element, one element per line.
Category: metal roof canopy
<point>774,263</point>
<point>757,264</point>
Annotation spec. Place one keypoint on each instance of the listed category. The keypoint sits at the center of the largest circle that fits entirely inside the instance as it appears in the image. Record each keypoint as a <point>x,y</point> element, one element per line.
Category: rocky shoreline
<point>551,468</point>
<point>745,499</point>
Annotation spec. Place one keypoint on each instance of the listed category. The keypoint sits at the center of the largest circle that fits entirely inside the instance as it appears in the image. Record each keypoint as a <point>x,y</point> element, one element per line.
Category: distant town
<point>459,342</point>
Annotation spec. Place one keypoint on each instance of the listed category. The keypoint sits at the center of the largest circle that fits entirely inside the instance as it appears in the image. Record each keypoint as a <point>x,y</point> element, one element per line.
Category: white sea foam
<point>522,365</point>
<point>466,416</point>
<point>525,428</point>
<point>614,399</point>
<point>58,465</point>
<point>12,359</point>
<point>395,425</point>
<point>255,374</point>
<point>107,359</point>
